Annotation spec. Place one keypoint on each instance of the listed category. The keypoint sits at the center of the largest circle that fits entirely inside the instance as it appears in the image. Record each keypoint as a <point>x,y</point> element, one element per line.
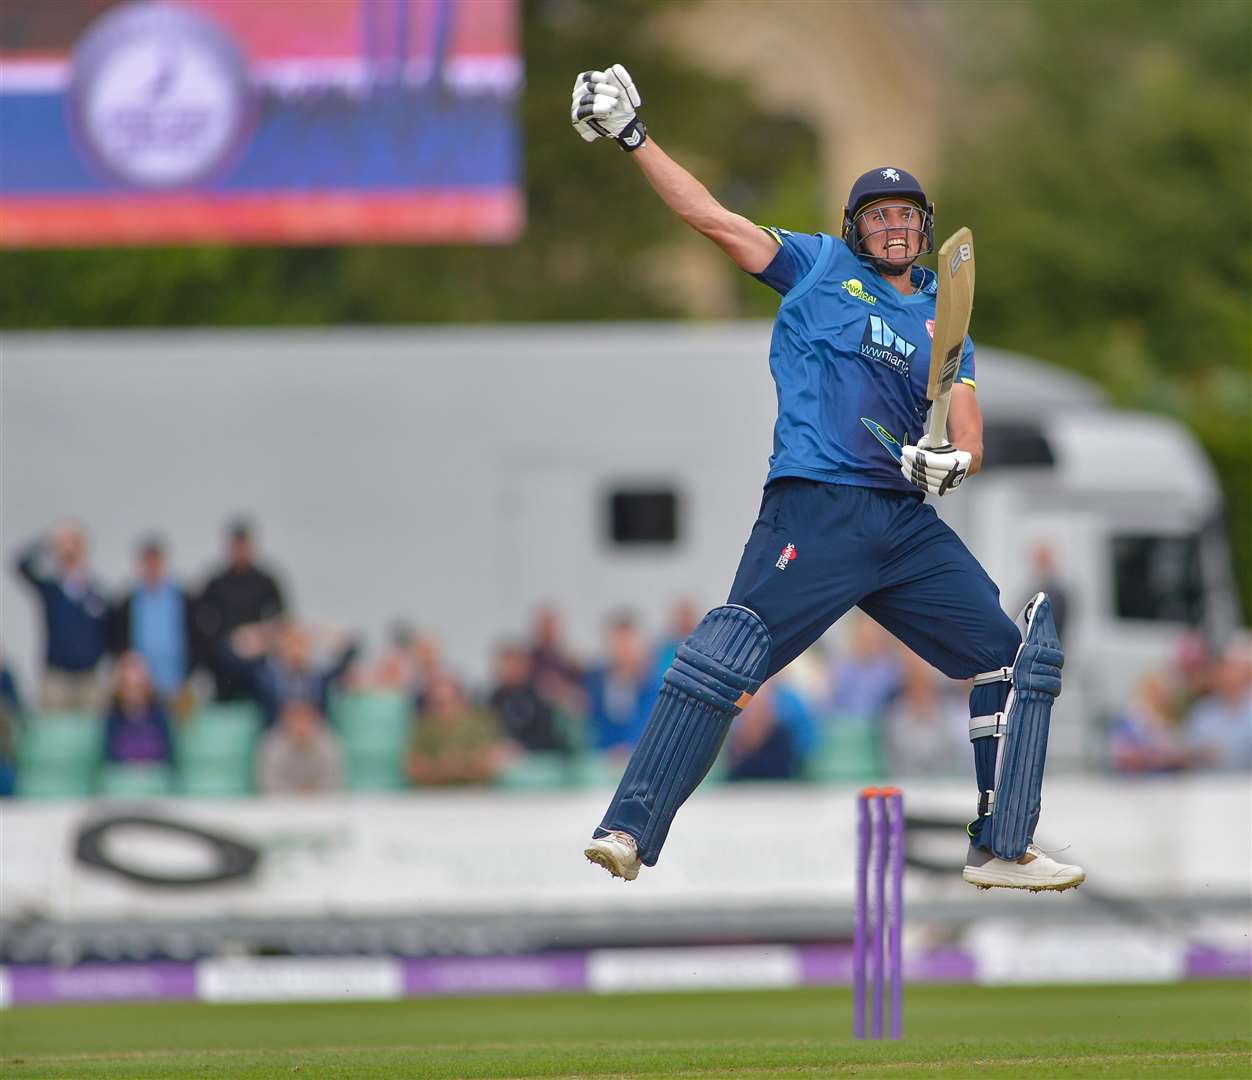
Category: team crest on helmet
<point>892,175</point>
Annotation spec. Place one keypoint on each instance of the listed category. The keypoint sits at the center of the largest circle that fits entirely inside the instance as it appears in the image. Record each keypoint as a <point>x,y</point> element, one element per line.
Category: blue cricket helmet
<point>886,183</point>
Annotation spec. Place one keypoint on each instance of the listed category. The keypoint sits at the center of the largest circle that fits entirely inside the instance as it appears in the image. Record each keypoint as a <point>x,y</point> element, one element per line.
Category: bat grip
<point>938,429</point>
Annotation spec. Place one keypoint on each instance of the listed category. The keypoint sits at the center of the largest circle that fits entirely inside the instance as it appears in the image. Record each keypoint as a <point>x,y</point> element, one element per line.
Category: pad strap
<point>995,725</point>
<point>1004,674</point>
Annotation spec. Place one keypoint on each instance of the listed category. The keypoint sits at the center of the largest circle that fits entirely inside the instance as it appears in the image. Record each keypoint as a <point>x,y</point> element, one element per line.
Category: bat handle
<point>939,420</point>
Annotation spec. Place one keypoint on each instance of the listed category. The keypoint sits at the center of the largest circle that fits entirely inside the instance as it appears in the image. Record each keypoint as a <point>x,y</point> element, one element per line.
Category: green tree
<point>1104,153</point>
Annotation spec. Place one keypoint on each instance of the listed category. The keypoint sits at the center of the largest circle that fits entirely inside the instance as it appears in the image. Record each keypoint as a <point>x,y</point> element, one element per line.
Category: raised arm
<point>604,104</point>
<point>29,563</point>
<point>750,247</point>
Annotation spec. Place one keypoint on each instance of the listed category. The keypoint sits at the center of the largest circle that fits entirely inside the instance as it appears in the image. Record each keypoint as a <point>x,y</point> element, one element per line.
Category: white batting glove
<point>583,86</point>
<point>604,104</point>
<point>937,469</point>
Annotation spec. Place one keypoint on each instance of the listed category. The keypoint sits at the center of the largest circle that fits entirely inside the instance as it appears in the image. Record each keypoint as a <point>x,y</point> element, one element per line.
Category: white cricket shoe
<point>617,853</point>
<point>1036,871</point>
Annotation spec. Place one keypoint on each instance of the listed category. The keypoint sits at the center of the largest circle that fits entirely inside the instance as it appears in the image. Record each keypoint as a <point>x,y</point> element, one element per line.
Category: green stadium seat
<point>847,749</point>
<point>719,769</point>
<point>572,729</point>
<point>215,750</point>
<point>596,770</point>
<point>375,730</point>
<point>536,771</point>
<point>135,780</point>
<point>58,754</point>
<point>372,717</point>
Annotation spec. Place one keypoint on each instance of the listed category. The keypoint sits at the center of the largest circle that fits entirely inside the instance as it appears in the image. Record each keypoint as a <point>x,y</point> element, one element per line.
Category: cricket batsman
<point>843,519</point>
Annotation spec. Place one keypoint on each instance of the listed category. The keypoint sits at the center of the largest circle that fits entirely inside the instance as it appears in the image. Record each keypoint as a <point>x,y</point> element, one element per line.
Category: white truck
<point>1128,507</point>
<point>460,476</point>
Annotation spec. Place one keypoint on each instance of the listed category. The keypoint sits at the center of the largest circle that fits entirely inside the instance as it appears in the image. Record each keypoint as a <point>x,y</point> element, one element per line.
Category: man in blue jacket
<point>157,620</point>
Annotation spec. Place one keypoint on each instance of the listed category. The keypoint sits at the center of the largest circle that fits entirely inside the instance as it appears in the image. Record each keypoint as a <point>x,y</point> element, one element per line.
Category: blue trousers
<point>816,551</point>
<point>885,552</point>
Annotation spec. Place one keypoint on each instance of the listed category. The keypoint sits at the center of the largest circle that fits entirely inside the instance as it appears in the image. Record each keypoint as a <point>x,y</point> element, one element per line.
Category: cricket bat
<point>952,312</point>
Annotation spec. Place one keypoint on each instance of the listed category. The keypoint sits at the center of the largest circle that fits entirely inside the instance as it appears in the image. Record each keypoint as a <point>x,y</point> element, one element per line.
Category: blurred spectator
<point>796,708</point>
<point>1218,728</point>
<point>622,691</point>
<point>1193,662</point>
<point>299,755</point>
<point>808,676</point>
<point>276,663</point>
<point>870,676</point>
<point>455,743</point>
<point>763,743</point>
<point>528,719</point>
<point>240,594</point>
<point>396,668</point>
<point>557,675</point>
<point>1145,737</point>
<point>137,727</point>
<point>1046,579</point>
<point>683,617</point>
<point>428,666</point>
<point>12,712</point>
<point>926,728</point>
<point>156,620</point>
<point>76,618</point>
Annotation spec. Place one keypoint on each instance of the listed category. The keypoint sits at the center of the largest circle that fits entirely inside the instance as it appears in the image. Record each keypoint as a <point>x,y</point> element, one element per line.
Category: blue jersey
<point>850,358</point>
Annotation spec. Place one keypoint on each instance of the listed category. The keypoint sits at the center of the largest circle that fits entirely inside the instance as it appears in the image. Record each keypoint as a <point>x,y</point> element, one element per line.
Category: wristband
<point>633,135</point>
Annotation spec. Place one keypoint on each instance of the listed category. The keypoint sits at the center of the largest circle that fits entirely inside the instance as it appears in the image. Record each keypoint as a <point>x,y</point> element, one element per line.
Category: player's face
<point>892,231</point>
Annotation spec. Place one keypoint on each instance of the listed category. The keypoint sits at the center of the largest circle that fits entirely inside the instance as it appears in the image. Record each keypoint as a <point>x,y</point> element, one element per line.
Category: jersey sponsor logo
<point>853,287</point>
<point>892,175</point>
<point>884,345</point>
<point>883,436</point>
<point>785,559</point>
<point>930,328</point>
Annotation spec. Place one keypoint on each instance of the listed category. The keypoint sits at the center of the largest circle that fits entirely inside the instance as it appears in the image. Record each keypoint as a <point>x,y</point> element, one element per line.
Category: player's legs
<point>718,668</point>
<point>806,563</point>
<point>935,597</point>
<point>939,601</point>
<point>944,606</point>
<point>799,572</point>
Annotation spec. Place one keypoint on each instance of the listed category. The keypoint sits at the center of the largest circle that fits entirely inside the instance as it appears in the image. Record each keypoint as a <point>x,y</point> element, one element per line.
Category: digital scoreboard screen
<point>259,122</point>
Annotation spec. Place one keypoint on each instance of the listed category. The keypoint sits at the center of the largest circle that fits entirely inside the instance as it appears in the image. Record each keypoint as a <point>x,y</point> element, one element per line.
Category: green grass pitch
<point>1196,1029</point>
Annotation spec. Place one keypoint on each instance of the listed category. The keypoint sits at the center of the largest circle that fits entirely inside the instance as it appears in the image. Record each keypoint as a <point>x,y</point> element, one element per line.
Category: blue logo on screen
<point>160,96</point>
